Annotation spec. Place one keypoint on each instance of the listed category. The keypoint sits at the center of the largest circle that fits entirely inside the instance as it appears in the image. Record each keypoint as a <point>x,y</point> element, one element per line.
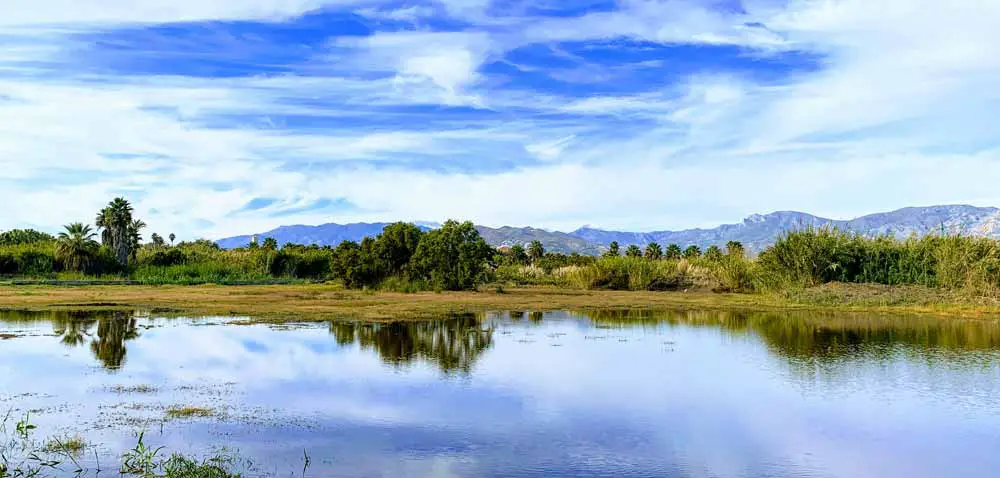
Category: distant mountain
<point>324,235</point>
<point>755,232</point>
<point>758,231</point>
<point>333,234</point>
<point>553,241</point>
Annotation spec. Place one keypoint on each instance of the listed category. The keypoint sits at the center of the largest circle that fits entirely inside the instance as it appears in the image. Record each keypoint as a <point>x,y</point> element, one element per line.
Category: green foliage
<point>654,251</point>
<point>270,244</point>
<point>629,273</point>
<point>692,252</point>
<point>157,240</point>
<point>811,257</point>
<point>633,251</point>
<point>735,248</point>
<point>395,246</point>
<point>453,257</point>
<point>614,250</point>
<point>517,255</point>
<point>673,252</point>
<point>76,247</point>
<point>535,251</point>
<point>17,237</point>
<point>713,253</point>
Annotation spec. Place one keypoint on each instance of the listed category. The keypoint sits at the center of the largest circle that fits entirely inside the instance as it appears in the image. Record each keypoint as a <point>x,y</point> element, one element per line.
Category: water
<point>665,394</point>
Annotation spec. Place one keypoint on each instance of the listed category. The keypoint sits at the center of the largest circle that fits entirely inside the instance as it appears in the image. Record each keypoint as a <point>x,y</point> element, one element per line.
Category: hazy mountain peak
<point>755,232</point>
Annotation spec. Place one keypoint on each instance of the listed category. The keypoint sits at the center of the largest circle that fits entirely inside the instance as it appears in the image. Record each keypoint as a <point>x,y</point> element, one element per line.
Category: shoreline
<point>312,302</point>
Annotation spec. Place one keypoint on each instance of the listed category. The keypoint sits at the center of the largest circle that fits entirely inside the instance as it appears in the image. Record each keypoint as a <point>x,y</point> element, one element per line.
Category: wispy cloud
<point>638,113</point>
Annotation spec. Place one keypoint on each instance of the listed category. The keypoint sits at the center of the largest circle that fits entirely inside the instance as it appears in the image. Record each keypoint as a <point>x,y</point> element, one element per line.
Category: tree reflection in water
<point>453,344</point>
<point>114,328</point>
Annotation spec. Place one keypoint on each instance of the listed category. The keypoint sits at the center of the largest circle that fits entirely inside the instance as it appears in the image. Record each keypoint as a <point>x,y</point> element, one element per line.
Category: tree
<point>692,252</point>
<point>346,263</point>
<point>654,251</point>
<point>157,240</point>
<point>536,251</point>
<point>452,257</point>
<point>518,255</point>
<point>673,252</point>
<point>396,245</point>
<point>120,232</point>
<point>633,251</point>
<point>613,250</point>
<point>76,247</point>
<point>713,253</point>
<point>135,237</point>
<point>735,248</point>
<point>17,237</point>
<point>270,244</point>
<point>172,237</point>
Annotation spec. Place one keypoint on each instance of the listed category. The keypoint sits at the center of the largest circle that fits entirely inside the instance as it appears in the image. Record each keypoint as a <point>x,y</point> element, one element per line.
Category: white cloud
<point>897,113</point>
<point>77,12</point>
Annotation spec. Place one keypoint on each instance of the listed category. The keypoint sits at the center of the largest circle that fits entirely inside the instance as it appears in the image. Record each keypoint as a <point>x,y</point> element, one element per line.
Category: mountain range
<point>755,232</point>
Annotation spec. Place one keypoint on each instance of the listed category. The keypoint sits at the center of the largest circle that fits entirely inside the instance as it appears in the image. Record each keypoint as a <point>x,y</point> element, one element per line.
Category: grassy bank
<point>323,302</point>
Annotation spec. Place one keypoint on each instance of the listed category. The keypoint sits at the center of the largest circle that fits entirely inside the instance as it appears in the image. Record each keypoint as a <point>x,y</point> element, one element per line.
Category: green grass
<point>73,445</point>
<point>189,412</point>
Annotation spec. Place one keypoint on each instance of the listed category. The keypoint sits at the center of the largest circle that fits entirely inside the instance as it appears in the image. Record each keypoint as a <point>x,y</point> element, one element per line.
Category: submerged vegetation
<point>24,456</point>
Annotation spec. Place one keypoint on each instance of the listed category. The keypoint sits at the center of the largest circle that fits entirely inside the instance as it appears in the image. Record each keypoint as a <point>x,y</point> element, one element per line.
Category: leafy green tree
<point>735,248</point>
<point>633,251</point>
<point>613,250</point>
<point>692,252</point>
<point>673,252</point>
<point>120,232</point>
<point>76,247</point>
<point>536,251</point>
<point>518,255</point>
<point>713,253</point>
<point>654,251</point>
<point>452,257</point>
<point>346,264</point>
<point>395,246</point>
<point>16,237</point>
<point>172,237</point>
<point>269,244</point>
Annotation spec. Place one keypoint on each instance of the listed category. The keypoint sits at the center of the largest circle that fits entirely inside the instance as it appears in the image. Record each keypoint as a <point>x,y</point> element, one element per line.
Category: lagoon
<point>667,393</point>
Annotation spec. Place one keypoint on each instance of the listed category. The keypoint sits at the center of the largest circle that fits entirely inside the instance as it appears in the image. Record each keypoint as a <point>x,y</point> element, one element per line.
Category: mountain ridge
<point>756,231</point>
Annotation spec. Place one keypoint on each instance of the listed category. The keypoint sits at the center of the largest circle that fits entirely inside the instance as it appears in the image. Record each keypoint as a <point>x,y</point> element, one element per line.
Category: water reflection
<point>76,329</point>
<point>827,336</point>
<point>555,394</point>
<point>453,344</point>
<point>456,343</point>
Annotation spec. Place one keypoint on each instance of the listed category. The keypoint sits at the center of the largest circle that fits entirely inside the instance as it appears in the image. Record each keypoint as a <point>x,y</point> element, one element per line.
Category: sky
<point>225,117</point>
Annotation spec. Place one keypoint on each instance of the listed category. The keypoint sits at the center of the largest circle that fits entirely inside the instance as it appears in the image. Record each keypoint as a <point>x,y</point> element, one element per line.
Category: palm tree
<point>535,251</point>
<point>119,229</point>
<point>673,252</point>
<point>654,251</point>
<point>692,252</point>
<point>613,249</point>
<point>713,253</point>
<point>134,237</point>
<point>735,248</point>
<point>172,237</point>
<point>75,247</point>
<point>157,240</point>
<point>633,251</point>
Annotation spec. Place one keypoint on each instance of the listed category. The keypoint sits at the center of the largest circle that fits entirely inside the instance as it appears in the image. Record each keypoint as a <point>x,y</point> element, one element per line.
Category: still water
<point>521,394</point>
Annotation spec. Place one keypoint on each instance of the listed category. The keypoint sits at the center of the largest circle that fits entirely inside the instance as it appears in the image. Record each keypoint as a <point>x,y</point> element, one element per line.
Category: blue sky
<point>226,117</point>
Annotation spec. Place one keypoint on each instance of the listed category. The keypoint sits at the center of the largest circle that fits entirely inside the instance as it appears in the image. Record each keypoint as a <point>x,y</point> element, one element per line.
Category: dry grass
<point>324,302</point>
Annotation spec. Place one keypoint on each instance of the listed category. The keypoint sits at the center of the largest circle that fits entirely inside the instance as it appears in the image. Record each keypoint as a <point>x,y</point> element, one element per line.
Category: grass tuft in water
<point>189,412</point>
